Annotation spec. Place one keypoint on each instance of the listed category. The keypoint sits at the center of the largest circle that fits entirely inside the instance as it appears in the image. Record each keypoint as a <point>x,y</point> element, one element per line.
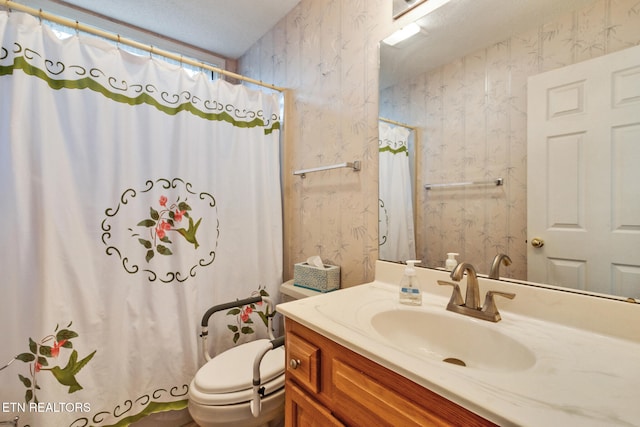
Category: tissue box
<point>319,279</point>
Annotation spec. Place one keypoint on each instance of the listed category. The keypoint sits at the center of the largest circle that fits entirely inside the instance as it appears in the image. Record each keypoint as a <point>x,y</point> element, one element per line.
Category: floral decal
<point>167,228</point>
<point>243,321</point>
<point>163,221</point>
<point>44,353</point>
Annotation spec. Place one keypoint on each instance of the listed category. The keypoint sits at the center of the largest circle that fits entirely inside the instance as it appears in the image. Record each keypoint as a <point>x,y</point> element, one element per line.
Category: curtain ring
<point>40,16</point>
<point>150,51</point>
<point>118,42</point>
<point>77,28</point>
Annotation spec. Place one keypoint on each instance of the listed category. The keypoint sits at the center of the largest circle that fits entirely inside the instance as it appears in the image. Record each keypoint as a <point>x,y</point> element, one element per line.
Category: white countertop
<point>583,375</point>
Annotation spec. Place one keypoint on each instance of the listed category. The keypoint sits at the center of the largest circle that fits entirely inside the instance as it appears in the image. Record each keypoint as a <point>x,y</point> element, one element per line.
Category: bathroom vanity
<point>327,383</point>
<point>357,357</point>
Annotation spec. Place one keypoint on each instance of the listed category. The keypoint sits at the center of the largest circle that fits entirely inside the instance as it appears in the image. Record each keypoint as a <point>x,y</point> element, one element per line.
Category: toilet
<point>222,390</point>
<point>291,292</point>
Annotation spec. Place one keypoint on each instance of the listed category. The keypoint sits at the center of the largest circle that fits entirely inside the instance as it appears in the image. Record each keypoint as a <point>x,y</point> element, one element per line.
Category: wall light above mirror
<point>402,34</point>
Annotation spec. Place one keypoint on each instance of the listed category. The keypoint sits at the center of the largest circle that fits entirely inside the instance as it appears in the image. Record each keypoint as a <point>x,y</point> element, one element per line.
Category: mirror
<point>462,84</point>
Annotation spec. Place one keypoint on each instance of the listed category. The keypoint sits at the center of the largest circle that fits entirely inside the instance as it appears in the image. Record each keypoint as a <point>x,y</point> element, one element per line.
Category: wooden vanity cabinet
<point>330,385</point>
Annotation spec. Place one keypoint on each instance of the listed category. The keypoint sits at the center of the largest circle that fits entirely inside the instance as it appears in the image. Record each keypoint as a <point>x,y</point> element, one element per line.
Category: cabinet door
<point>302,411</point>
<point>362,400</point>
<point>303,362</point>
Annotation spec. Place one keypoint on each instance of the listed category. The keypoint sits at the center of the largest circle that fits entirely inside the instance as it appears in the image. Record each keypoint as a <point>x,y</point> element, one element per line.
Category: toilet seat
<point>227,378</point>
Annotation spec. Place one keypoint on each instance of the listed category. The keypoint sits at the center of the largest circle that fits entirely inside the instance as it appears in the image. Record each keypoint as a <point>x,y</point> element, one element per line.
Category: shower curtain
<point>134,197</point>
<point>396,228</point>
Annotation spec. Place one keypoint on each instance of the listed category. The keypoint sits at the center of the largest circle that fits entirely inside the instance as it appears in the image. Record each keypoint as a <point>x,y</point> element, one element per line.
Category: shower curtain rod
<point>11,5</point>
<point>393,122</point>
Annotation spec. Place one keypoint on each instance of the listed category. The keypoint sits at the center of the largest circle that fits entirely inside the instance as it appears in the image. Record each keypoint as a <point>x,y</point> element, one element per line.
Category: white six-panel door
<point>583,175</point>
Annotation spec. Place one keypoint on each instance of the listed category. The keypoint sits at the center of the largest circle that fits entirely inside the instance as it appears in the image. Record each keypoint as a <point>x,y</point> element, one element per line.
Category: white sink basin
<point>464,341</point>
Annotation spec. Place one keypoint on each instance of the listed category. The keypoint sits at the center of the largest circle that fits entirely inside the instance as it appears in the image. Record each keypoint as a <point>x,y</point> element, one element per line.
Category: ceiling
<point>226,28</point>
<point>461,27</point>
<point>216,30</point>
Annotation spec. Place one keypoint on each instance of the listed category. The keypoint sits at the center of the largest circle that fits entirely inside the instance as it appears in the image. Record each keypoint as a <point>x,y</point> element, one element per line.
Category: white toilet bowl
<point>221,392</point>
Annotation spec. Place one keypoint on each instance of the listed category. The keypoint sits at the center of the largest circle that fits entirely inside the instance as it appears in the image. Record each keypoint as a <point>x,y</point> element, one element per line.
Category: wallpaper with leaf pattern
<point>326,52</point>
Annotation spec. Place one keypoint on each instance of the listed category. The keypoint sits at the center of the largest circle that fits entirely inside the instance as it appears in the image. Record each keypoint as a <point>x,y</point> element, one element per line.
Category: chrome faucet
<point>495,265</point>
<point>471,305</point>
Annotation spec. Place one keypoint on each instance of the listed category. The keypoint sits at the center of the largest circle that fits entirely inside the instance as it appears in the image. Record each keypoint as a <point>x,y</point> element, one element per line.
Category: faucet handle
<point>509,295</point>
<point>456,296</point>
<point>490,307</point>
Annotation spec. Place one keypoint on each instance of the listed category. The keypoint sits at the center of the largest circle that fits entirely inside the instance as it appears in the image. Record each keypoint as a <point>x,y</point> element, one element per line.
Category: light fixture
<point>402,34</point>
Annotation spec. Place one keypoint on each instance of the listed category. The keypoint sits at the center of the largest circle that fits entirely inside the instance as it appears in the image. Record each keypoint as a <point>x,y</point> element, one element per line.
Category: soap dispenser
<point>410,292</point>
<point>451,261</point>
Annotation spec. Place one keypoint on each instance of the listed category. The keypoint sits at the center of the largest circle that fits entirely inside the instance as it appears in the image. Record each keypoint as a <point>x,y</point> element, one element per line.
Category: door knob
<point>537,242</point>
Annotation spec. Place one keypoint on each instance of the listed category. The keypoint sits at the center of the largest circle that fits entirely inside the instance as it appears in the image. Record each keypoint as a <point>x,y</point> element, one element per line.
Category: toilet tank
<point>289,292</point>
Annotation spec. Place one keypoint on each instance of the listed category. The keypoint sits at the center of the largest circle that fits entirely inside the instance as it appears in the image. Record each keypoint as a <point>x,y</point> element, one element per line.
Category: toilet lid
<point>232,370</point>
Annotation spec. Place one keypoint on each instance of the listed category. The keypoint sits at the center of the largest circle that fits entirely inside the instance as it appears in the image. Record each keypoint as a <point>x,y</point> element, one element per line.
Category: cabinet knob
<point>294,363</point>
